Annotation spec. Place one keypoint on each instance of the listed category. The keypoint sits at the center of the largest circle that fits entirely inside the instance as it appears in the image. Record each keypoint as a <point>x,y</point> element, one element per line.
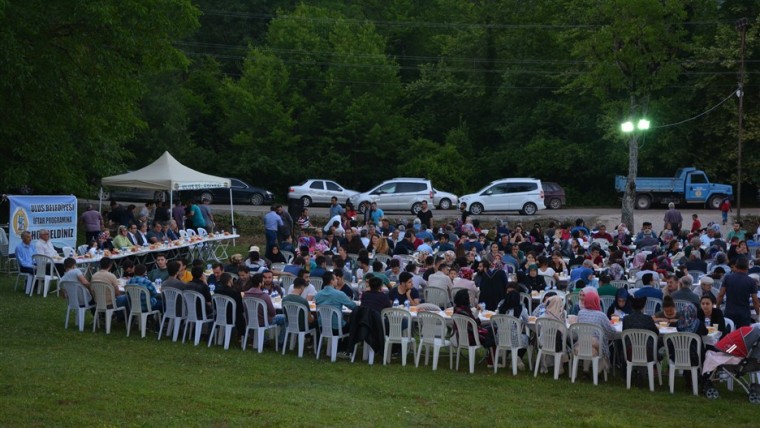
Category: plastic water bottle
<point>407,305</point>
<point>483,306</point>
<point>274,293</point>
<point>395,303</point>
<point>212,287</point>
<point>158,282</point>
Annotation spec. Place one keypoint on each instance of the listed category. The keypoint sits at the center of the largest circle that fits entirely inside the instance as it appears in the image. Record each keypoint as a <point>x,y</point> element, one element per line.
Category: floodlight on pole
<point>627,127</point>
<point>643,125</point>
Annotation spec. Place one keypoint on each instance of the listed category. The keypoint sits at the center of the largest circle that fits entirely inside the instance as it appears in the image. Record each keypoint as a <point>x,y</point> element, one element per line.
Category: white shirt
<point>548,272</point>
<point>45,248</point>
<point>308,291</point>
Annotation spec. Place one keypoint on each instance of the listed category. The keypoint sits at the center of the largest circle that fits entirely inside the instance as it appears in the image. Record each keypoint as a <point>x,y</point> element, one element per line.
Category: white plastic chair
<point>289,256</point>
<point>68,252</point>
<point>202,232</point>
<point>294,313</point>
<point>474,294</point>
<point>432,334</point>
<point>583,336</point>
<point>696,275</point>
<point>221,325</point>
<point>171,296</point>
<point>682,346</point>
<point>79,302</point>
<point>548,280</point>
<point>547,331</point>
<point>652,305</point>
<point>316,282</point>
<point>570,300</point>
<point>681,304</point>
<point>394,331</point>
<point>45,273</point>
<point>286,281</point>
<point>382,258</point>
<point>326,315</point>
<point>82,249</point>
<point>139,297</point>
<point>620,283</point>
<point>190,232</point>
<point>461,341</point>
<point>183,234</point>
<point>527,300</point>
<point>277,266</point>
<point>252,307</point>
<point>508,335</point>
<point>642,343</point>
<point>730,326</point>
<point>437,296</point>
<point>606,302</point>
<point>193,319</point>
<point>101,292</point>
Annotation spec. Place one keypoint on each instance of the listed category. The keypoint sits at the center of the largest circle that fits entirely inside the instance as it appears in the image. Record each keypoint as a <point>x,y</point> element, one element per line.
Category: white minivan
<point>524,195</point>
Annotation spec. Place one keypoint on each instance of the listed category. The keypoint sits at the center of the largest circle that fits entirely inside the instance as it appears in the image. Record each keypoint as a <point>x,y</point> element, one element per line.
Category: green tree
<point>630,51</point>
<point>70,80</point>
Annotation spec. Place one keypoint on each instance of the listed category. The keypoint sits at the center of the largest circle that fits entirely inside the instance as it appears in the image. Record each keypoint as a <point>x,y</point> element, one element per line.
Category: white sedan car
<point>444,200</point>
<point>318,191</point>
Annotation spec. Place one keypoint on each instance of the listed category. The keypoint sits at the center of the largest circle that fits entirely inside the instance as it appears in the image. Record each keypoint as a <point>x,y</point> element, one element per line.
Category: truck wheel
<point>714,202</point>
<point>643,202</point>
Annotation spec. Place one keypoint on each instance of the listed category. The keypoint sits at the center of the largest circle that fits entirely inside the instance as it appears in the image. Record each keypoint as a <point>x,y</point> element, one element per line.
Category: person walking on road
<point>673,216</point>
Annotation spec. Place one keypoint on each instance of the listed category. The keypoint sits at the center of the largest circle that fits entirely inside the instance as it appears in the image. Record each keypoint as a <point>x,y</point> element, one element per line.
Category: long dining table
<point>212,246</point>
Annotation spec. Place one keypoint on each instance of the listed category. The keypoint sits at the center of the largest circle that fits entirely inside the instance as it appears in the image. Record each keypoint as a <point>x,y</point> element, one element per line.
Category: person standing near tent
<point>178,214</point>
<point>272,224</point>
<point>194,216</point>
<point>208,216</point>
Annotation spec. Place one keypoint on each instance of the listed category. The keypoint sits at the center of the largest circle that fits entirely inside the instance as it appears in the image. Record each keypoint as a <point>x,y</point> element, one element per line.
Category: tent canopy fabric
<point>166,173</point>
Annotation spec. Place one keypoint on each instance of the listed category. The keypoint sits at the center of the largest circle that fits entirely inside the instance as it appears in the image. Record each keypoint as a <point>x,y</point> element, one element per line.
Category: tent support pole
<point>232,217</point>
<point>100,201</point>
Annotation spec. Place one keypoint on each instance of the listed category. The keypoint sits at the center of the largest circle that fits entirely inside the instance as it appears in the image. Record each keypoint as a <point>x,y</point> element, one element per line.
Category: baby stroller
<point>736,360</point>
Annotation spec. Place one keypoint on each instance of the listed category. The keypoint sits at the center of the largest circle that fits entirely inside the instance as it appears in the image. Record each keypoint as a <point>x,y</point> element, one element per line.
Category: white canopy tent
<point>166,173</point>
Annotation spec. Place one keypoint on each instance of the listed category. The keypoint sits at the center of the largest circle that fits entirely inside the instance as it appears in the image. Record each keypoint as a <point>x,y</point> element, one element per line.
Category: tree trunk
<point>629,197</point>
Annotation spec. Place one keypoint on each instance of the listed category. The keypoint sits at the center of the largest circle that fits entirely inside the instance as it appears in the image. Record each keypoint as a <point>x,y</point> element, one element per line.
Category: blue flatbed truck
<point>690,185</point>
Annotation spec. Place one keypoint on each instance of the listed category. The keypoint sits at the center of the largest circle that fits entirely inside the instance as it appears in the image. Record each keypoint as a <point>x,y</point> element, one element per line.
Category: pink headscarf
<point>591,300</point>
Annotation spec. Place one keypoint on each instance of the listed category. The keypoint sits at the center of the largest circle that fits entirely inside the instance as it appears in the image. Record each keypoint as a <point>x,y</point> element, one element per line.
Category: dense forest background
<point>462,92</point>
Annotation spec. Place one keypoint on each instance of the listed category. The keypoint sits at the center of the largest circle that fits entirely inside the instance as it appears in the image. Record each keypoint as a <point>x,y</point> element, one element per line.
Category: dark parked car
<point>554,195</point>
<point>242,193</point>
<point>133,194</point>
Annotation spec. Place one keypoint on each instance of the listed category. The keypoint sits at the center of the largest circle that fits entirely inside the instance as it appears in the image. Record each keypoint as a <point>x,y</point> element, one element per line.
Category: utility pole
<point>741,26</point>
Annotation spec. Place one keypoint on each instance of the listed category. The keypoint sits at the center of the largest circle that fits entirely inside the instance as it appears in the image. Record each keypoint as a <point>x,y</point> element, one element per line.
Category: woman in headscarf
<point>638,260</point>
<point>592,314</point>
<point>616,272</point>
<point>555,309</point>
<point>690,320</point>
<point>464,280</point>
<point>533,281</point>
<point>512,306</point>
<point>622,306</point>
<point>462,307</point>
<point>540,310</point>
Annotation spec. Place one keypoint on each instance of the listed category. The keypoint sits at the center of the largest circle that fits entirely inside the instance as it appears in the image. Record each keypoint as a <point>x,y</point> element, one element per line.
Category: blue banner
<point>58,214</point>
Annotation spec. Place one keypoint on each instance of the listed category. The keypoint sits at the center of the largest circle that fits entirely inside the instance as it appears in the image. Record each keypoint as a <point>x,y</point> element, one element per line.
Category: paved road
<point>609,216</point>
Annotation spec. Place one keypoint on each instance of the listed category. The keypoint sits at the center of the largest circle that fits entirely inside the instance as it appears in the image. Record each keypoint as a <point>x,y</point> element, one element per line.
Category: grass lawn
<point>55,377</point>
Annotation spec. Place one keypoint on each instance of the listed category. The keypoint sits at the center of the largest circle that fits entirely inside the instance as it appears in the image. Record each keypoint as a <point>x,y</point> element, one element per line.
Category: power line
<point>421,24</point>
<point>699,115</point>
